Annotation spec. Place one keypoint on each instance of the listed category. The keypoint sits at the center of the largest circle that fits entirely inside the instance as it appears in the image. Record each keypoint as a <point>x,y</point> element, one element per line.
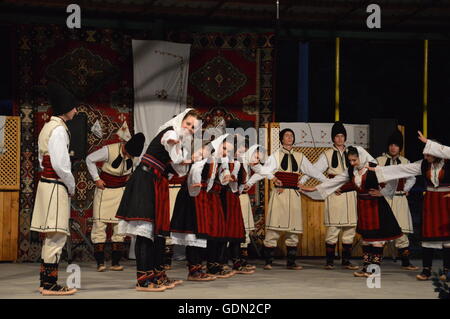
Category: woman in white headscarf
<point>198,216</point>
<point>250,173</point>
<point>144,209</point>
<point>235,226</point>
<point>436,204</point>
<point>376,221</point>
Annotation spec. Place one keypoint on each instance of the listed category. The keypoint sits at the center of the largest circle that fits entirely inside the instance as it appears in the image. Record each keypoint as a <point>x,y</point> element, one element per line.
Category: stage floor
<point>314,282</point>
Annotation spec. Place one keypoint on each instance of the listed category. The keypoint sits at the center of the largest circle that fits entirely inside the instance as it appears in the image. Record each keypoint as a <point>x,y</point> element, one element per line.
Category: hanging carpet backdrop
<point>231,77</point>
<point>94,64</point>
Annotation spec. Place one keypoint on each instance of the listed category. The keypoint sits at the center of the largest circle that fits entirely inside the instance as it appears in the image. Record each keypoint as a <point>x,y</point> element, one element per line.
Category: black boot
<point>446,260</point>
<point>291,255</point>
<point>425,274</point>
<point>116,255</point>
<point>50,282</point>
<point>146,281</point>
<point>346,255</point>
<point>377,255</point>
<point>367,257</point>
<point>404,256</point>
<point>99,254</point>
<point>196,273</point>
<point>41,276</point>
<point>330,251</point>
<point>168,254</point>
<point>244,259</point>
<point>427,262</point>
<point>269,252</point>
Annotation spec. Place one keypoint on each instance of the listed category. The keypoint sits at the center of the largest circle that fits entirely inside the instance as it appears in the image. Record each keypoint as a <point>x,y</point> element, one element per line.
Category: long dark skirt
<point>201,215</point>
<point>376,221</point>
<point>234,222</point>
<point>146,198</point>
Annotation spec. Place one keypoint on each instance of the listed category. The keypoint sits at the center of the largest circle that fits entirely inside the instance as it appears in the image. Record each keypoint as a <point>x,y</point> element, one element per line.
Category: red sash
<point>289,180</point>
<point>48,172</point>
<point>113,181</point>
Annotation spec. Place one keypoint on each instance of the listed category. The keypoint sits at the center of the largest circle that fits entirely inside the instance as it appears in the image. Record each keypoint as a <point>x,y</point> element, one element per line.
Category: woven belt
<point>439,189</point>
<point>402,193</point>
<point>52,181</point>
<point>367,197</point>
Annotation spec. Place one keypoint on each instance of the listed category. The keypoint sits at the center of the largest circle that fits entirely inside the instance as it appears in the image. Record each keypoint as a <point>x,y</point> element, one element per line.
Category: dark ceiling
<point>397,15</point>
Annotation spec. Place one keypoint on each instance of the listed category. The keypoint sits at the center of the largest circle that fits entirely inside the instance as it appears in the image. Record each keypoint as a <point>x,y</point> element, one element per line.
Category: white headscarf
<point>175,122</point>
<point>216,143</point>
<point>249,153</point>
<point>364,157</point>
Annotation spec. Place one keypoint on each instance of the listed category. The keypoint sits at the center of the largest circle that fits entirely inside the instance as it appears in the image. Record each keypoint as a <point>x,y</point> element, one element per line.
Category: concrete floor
<point>313,282</point>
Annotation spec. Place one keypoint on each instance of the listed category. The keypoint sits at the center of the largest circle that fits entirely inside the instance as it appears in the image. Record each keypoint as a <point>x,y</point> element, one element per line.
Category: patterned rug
<point>96,66</point>
<point>230,77</point>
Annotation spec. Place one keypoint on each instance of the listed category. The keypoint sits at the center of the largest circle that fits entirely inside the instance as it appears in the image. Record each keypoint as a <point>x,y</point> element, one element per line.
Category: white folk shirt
<point>178,154</point>
<point>437,150</point>
<point>272,166</point>
<point>409,181</point>
<point>387,173</point>
<point>59,157</point>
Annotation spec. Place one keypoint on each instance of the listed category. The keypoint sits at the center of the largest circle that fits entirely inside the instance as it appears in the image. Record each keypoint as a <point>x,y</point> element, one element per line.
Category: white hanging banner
<point>2,134</point>
<point>319,134</point>
<point>160,83</point>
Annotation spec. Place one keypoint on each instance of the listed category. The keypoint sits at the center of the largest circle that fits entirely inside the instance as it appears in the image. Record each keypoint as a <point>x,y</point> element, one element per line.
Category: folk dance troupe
<point>179,192</point>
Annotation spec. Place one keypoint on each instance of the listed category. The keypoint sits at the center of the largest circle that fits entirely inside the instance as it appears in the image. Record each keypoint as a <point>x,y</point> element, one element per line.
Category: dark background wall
<point>5,71</point>
<point>383,79</point>
<point>379,78</point>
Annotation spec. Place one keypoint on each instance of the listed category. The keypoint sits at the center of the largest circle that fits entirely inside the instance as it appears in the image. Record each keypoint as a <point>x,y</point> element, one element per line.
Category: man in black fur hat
<point>399,203</point>
<point>340,208</point>
<point>52,205</point>
<point>116,169</point>
<point>284,210</point>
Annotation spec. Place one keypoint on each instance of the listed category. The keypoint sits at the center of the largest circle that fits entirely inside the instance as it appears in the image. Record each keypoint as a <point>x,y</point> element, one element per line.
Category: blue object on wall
<point>6,107</point>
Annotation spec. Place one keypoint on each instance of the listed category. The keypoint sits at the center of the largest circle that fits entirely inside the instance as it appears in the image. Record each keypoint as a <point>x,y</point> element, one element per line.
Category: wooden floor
<point>313,282</point>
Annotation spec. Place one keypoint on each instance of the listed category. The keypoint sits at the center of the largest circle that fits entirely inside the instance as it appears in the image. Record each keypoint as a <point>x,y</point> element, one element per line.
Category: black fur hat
<point>135,145</point>
<point>338,128</point>
<point>61,100</point>
<point>396,138</point>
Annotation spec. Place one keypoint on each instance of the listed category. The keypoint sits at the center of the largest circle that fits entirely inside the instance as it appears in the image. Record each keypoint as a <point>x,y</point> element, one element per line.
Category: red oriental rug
<point>96,66</point>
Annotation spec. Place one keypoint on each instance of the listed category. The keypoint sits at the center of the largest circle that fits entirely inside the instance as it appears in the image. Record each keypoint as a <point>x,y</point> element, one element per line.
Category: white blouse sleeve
<point>307,168</point>
<point>195,177</point>
<point>59,157</point>
<point>224,170</point>
<point>331,185</point>
<point>174,150</point>
<point>409,183</point>
<point>40,158</point>
<point>388,173</point>
<point>100,155</point>
<point>270,167</point>
<point>180,169</point>
<point>389,189</point>
<point>436,149</point>
<point>321,165</point>
<point>235,185</point>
